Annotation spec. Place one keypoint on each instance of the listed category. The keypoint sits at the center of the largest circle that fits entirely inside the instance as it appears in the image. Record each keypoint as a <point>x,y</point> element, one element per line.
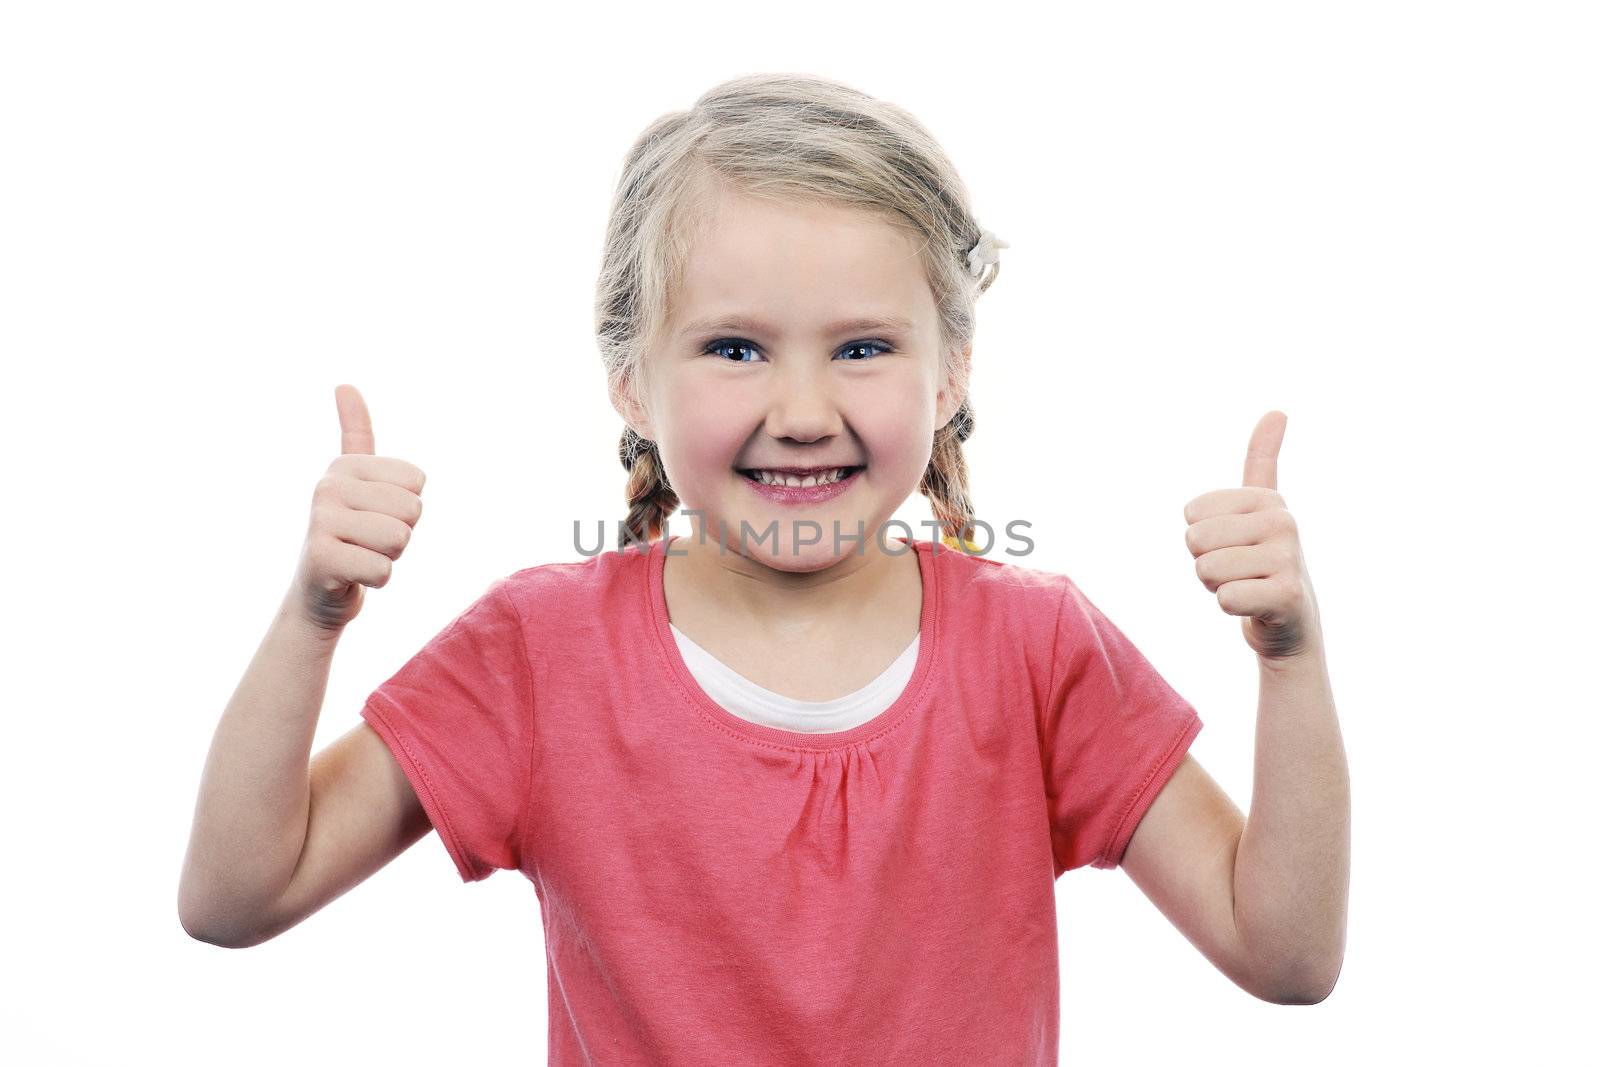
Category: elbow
<point>218,935</point>
<point>192,916</point>
<point>1302,968</point>
<point>201,932</point>
<point>205,930</point>
<point>1306,984</point>
<point>203,924</point>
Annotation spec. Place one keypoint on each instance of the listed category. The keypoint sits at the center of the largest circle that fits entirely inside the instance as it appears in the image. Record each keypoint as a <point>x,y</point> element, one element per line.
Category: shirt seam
<point>1047,751</point>
<point>1155,768</point>
<point>469,861</point>
<point>526,785</point>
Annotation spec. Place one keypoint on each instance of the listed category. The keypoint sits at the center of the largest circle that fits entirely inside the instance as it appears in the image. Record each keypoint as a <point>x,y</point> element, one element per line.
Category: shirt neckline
<point>896,674</point>
<point>883,722</point>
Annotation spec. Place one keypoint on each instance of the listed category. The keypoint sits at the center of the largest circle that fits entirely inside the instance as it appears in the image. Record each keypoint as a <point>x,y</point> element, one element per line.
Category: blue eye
<point>716,347</point>
<point>730,342</point>
<point>866,344</point>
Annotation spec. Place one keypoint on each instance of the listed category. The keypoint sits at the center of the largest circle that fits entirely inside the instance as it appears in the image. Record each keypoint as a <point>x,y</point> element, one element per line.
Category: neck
<point>768,586</point>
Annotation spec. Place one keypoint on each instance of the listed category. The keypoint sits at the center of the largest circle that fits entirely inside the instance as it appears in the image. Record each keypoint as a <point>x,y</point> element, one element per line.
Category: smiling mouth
<point>797,477</point>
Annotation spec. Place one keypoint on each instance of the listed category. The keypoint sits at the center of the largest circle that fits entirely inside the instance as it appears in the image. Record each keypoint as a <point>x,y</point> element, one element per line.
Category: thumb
<point>355,425</point>
<point>1261,458</point>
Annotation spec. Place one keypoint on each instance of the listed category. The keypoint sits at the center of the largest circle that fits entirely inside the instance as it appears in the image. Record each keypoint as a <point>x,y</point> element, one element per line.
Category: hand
<point>362,515</point>
<point>1247,551</point>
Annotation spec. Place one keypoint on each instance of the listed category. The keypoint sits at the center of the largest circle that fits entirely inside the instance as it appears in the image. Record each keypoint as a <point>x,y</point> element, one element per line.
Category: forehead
<point>800,266</point>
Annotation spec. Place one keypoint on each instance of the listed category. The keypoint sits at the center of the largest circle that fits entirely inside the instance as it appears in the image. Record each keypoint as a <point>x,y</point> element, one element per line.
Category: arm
<point>1285,890</point>
<point>1182,856</point>
<point>274,840</point>
<point>363,813</point>
<point>1265,900</point>
<point>1292,878</point>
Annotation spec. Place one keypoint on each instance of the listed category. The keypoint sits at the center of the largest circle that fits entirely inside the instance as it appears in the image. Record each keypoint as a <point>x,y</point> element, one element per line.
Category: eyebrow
<point>753,325</point>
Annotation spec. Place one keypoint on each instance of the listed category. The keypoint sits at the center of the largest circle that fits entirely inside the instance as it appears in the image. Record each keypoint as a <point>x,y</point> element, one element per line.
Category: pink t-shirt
<point>718,891</point>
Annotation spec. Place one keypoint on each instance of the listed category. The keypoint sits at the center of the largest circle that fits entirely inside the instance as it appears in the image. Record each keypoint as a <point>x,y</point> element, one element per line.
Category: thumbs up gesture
<point>362,514</point>
<point>1247,551</point>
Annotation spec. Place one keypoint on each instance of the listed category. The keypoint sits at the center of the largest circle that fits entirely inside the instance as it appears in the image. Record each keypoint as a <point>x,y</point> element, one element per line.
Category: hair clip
<point>985,252</point>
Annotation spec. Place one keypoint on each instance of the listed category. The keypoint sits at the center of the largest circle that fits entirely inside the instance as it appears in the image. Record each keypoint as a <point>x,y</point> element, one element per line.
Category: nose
<point>800,403</point>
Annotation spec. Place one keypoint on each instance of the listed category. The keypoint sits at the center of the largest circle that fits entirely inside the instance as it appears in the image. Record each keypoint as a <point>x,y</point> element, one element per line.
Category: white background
<point>1379,218</point>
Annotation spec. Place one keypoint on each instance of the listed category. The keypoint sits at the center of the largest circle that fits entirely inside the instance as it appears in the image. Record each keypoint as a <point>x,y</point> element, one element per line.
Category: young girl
<point>792,788</point>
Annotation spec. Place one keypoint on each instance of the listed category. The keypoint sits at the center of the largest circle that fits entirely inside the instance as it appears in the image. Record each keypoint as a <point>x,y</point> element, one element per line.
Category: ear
<point>951,396</point>
<point>637,418</point>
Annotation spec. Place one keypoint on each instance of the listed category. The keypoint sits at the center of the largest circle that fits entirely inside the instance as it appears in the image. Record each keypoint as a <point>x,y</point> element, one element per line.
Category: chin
<point>804,561</point>
<point>780,553</point>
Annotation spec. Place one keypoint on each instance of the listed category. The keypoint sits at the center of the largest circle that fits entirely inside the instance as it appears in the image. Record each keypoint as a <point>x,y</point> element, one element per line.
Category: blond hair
<point>794,137</point>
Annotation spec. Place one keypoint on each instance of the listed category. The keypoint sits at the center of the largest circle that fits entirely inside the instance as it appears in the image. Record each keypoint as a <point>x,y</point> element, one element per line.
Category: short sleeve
<point>1115,732</point>
<point>457,717</point>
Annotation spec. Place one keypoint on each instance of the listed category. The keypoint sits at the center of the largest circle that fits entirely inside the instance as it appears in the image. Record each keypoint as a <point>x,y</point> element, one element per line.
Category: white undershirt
<point>744,698</point>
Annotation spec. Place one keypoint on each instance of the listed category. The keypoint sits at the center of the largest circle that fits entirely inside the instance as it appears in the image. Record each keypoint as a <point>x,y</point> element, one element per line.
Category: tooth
<point>795,481</point>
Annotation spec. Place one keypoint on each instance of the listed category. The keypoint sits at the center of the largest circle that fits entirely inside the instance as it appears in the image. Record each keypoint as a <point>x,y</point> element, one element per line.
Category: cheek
<point>703,438</point>
<point>897,428</point>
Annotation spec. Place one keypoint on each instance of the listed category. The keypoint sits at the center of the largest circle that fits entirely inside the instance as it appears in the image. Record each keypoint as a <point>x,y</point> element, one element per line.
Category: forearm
<point>1292,871</point>
<point>254,804</point>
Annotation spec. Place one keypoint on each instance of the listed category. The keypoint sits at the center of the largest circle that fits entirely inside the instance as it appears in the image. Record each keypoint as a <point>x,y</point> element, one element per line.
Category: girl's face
<point>803,335</point>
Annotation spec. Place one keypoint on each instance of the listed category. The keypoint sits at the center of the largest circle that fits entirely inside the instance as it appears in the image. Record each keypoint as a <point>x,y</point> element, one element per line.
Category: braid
<point>945,481</point>
<point>650,498</point>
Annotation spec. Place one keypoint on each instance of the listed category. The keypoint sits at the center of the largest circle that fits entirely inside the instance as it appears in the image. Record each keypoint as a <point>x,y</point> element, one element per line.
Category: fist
<point>1247,551</point>
<point>362,514</point>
